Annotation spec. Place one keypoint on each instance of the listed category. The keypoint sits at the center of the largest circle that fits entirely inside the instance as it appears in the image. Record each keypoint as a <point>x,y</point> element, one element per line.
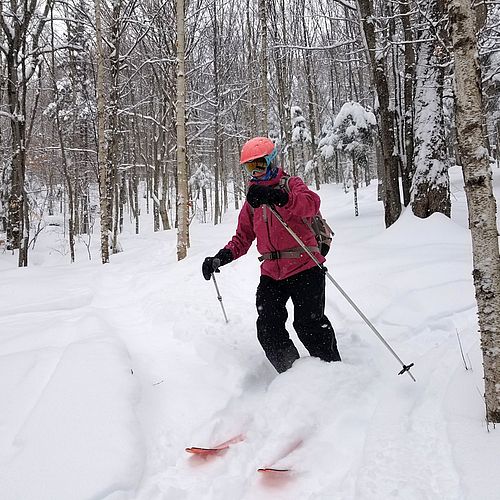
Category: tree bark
<point>264,92</point>
<point>391,195</point>
<point>310,98</point>
<point>409,71</point>
<point>480,199</point>
<point>60,135</point>
<point>182,174</point>
<point>113,123</point>
<point>217,105</point>
<point>283,64</point>
<point>101,126</point>
<point>430,185</point>
<point>17,47</point>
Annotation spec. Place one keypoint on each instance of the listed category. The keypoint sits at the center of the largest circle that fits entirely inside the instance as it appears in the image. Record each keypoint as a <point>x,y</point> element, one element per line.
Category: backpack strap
<point>283,183</point>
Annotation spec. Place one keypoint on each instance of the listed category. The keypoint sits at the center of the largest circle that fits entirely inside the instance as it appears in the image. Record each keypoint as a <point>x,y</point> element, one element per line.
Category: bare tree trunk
<point>217,139</point>
<point>480,199</point>
<point>380,170</point>
<point>133,197</point>
<point>101,124</point>
<point>355,183</point>
<point>253,120</point>
<point>113,125</point>
<point>16,22</point>
<point>431,186</point>
<point>67,176</point>
<point>282,62</point>
<point>116,211</point>
<point>182,174</point>
<point>264,92</point>
<point>134,179</point>
<point>85,224</point>
<point>164,198</point>
<point>391,195</point>
<point>156,180</point>
<point>223,176</point>
<point>164,147</point>
<point>409,71</point>
<point>398,115</point>
<point>310,97</point>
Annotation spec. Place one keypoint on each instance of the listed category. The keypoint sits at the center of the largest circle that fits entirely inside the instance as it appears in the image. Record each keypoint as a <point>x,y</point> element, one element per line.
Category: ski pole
<point>405,368</point>
<point>216,265</point>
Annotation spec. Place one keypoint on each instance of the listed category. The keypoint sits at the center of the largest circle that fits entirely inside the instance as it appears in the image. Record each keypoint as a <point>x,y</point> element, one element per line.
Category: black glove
<point>266,195</point>
<point>212,264</point>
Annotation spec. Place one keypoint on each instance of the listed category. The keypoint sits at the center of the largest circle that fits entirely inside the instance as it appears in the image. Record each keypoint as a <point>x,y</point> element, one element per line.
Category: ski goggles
<point>260,166</point>
<point>256,168</point>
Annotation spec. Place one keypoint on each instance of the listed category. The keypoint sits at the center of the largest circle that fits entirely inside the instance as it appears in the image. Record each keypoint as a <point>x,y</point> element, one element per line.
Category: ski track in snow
<point>107,376</point>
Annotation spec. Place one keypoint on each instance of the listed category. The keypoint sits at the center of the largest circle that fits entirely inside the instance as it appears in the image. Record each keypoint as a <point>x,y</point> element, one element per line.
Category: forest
<point>108,108</point>
<point>346,103</point>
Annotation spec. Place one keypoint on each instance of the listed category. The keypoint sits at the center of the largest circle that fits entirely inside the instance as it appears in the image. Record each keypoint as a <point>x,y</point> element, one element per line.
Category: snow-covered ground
<point>108,372</point>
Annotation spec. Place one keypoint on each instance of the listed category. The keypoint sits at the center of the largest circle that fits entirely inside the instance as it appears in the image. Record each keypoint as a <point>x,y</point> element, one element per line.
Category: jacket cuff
<point>225,256</point>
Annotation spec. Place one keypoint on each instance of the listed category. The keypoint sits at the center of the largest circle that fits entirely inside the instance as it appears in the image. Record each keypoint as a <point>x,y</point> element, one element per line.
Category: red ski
<point>277,470</point>
<point>276,466</point>
<point>214,450</point>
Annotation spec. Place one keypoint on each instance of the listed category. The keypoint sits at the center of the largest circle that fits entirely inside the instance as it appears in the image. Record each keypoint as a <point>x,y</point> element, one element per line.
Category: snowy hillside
<point>107,373</point>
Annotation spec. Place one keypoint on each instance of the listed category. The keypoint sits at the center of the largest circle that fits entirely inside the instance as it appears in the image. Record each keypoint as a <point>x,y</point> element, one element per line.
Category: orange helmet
<point>258,147</point>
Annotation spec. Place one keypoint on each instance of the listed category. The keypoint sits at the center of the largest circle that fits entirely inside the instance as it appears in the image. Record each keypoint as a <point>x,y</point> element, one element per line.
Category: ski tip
<point>278,470</point>
<point>213,450</point>
<point>205,451</point>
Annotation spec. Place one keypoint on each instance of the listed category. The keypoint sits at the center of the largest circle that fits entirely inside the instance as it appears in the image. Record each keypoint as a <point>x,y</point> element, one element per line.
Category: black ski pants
<point>307,291</point>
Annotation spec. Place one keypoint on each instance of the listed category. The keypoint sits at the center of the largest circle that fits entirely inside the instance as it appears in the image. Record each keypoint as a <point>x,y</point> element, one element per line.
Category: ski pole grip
<point>216,265</point>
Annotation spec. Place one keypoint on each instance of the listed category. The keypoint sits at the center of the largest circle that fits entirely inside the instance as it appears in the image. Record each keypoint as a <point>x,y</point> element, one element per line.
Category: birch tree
<point>480,199</point>
<point>182,167</point>
<point>101,126</point>
<point>112,107</point>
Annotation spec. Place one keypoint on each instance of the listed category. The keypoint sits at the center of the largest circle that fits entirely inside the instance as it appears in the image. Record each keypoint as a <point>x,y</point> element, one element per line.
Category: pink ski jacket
<point>261,224</point>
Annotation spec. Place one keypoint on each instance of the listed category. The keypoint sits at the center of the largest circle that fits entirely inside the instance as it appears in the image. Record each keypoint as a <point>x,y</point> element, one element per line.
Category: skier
<point>286,271</point>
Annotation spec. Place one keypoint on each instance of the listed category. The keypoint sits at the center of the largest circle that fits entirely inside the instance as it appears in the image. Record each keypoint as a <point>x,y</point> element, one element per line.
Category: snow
<point>300,132</point>
<point>356,114</point>
<point>108,372</point>
<point>431,171</point>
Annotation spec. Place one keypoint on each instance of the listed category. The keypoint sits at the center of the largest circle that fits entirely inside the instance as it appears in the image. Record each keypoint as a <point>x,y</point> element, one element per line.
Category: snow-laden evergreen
<point>108,372</point>
<point>328,141</point>
<point>353,128</point>
<point>350,131</point>
<point>354,121</point>
<point>300,132</point>
<point>350,136</point>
